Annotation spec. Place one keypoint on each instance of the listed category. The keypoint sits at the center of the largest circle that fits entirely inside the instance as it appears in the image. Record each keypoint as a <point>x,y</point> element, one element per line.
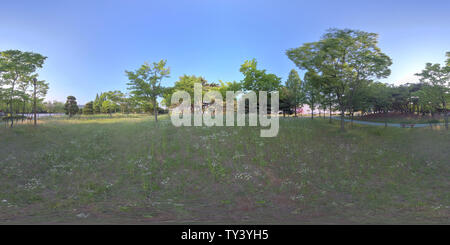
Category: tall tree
<point>108,107</point>
<point>294,85</point>
<point>439,80</point>
<point>88,108</point>
<point>40,88</point>
<point>23,86</point>
<point>311,91</point>
<point>17,66</point>
<point>344,59</point>
<point>145,82</point>
<point>97,104</point>
<point>71,106</point>
<point>258,80</point>
<point>287,100</point>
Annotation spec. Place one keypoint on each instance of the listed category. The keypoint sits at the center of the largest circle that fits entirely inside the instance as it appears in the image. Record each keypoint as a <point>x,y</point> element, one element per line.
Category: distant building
<point>307,110</point>
<point>2,114</point>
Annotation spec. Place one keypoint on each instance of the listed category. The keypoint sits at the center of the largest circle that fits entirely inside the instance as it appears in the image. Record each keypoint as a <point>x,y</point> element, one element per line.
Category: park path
<point>396,125</point>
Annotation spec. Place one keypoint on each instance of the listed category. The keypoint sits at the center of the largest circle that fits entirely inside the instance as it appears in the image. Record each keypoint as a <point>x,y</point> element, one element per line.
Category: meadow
<point>131,170</point>
<point>393,117</point>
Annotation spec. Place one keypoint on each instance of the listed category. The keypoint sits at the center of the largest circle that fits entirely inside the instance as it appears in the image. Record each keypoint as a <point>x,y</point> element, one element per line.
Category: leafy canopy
<point>258,80</point>
<point>343,59</point>
<point>145,82</point>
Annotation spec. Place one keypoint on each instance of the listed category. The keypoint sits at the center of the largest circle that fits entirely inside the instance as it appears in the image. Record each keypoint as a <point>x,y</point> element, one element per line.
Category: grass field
<point>132,170</point>
<point>393,117</point>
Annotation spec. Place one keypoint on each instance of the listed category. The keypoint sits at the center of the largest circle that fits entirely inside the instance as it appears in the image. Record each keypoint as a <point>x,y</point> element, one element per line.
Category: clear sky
<point>89,44</point>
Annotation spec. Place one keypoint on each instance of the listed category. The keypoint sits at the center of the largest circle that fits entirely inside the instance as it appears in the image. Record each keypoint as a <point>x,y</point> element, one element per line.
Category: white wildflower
<point>165,181</point>
<point>82,215</point>
<point>297,197</point>
<point>243,176</point>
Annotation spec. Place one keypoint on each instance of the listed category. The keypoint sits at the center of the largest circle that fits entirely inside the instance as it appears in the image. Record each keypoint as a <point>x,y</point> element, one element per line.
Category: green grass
<point>399,118</point>
<point>131,170</point>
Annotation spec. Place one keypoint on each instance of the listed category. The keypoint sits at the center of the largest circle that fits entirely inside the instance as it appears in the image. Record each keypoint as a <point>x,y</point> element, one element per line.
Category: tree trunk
<point>342,120</point>
<point>23,110</point>
<point>155,110</point>
<point>445,115</point>
<point>295,111</point>
<point>11,104</point>
<point>34,103</point>
<point>351,124</point>
<point>330,112</point>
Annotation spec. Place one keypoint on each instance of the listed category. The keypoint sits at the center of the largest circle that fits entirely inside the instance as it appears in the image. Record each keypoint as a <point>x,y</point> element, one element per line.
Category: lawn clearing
<point>132,170</point>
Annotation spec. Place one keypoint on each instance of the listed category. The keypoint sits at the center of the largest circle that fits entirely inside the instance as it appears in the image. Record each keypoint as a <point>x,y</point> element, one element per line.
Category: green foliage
<point>437,88</point>
<point>287,100</point>
<point>108,107</point>
<point>97,105</point>
<point>311,90</point>
<point>292,95</point>
<point>344,60</point>
<point>71,107</point>
<point>41,87</point>
<point>145,82</point>
<point>379,97</point>
<point>17,71</point>
<point>54,106</point>
<point>186,83</point>
<point>167,96</point>
<point>258,80</point>
<point>294,84</point>
<point>88,108</point>
<point>229,86</point>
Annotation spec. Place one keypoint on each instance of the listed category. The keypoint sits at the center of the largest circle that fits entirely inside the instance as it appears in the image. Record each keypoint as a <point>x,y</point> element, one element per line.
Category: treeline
<point>420,98</point>
<point>145,89</point>
<point>21,91</point>
<point>117,102</point>
<point>341,70</point>
<point>340,74</point>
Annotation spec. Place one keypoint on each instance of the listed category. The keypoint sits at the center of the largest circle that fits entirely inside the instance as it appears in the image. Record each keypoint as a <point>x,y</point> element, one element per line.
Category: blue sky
<point>90,44</point>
